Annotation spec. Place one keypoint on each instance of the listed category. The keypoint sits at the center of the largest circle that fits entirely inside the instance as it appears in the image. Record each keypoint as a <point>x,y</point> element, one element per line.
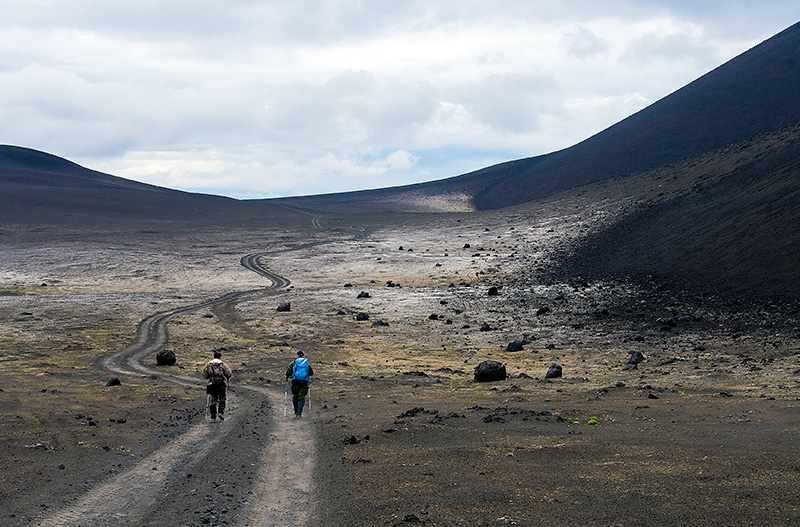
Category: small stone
<point>554,371</point>
<point>166,358</point>
<point>516,345</point>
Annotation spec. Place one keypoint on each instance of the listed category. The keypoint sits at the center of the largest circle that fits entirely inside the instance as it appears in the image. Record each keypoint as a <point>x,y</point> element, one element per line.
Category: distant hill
<point>40,188</point>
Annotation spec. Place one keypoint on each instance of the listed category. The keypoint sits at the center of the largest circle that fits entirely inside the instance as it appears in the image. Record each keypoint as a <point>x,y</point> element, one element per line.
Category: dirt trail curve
<point>280,491</point>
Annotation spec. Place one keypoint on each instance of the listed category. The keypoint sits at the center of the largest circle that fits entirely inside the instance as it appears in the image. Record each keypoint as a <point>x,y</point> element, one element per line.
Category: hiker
<point>300,372</point>
<point>217,373</point>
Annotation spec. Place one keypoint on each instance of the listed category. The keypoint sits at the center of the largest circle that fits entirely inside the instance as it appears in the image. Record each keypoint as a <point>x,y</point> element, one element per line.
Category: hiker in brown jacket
<point>217,373</point>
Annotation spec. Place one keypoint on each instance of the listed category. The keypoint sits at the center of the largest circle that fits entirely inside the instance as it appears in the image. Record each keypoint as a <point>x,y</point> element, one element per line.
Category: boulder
<point>363,294</point>
<point>362,316</point>
<point>114,381</point>
<point>554,371</point>
<point>165,358</point>
<point>494,291</point>
<point>490,371</point>
<point>284,307</point>
<point>636,357</point>
<point>516,345</point>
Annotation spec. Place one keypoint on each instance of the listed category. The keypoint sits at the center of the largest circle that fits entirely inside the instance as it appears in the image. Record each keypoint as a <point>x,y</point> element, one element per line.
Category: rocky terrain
<point>672,407</point>
<point>605,335</point>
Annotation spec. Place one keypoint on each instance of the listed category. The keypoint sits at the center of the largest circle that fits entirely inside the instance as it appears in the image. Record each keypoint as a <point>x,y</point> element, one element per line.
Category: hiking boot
<point>221,417</point>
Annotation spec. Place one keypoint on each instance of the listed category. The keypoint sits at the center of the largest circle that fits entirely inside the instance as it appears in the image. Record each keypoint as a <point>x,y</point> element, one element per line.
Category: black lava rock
<point>636,357</point>
<point>554,371</point>
<point>490,371</point>
<point>165,358</point>
<point>516,345</point>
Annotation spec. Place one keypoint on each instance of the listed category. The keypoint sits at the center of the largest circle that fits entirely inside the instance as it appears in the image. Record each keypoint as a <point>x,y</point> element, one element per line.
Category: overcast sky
<point>275,98</point>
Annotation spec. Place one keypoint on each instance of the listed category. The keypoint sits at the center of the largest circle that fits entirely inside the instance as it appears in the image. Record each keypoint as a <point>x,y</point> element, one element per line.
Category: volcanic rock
<point>490,371</point>
<point>516,345</point>
<point>165,358</point>
<point>554,371</point>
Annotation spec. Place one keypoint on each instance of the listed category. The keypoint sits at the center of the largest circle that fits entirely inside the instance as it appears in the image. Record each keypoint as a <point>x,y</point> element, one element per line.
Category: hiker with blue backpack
<point>300,373</point>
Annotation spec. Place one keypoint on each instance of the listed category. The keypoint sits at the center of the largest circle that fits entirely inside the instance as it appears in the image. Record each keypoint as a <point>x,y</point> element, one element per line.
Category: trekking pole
<point>309,395</point>
<point>285,393</point>
<point>208,404</point>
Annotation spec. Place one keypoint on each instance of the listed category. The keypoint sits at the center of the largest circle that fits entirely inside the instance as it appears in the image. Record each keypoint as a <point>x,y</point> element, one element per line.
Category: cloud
<point>218,171</point>
<point>686,44</point>
<point>583,44</point>
<point>253,98</point>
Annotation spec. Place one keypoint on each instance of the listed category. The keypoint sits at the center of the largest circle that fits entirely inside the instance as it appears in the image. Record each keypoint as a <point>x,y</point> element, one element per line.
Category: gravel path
<point>280,491</point>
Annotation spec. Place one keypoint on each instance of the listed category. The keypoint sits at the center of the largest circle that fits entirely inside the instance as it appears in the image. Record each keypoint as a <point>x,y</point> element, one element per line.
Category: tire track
<point>130,497</point>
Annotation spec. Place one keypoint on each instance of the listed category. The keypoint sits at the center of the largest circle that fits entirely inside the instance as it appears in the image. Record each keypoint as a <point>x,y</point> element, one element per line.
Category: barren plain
<point>703,431</point>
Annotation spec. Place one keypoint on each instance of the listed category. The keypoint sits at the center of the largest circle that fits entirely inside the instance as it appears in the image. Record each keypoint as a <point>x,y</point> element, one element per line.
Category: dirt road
<point>143,495</point>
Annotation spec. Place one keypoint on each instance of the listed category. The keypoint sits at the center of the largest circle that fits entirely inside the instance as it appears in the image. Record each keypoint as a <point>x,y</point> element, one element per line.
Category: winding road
<point>281,486</point>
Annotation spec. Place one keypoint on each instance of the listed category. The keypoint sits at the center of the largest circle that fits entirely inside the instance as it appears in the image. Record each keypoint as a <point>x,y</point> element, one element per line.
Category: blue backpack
<point>300,369</point>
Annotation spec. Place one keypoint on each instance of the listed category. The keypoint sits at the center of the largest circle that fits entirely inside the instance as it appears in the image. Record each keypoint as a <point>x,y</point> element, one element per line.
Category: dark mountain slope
<point>737,235</point>
<point>755,93</point>
<point>40,188</point>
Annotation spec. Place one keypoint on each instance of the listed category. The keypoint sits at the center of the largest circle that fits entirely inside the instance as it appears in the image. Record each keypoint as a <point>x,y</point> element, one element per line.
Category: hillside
<point>752,94</point>
<point>40,188</point>
<point>732,231</point>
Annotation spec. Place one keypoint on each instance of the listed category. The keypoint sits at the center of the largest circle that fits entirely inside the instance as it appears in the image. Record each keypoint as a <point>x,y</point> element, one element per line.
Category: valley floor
<point>704,431</point>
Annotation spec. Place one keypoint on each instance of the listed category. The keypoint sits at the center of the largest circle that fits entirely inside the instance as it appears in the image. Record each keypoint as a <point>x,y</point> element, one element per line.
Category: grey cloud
<point>513,102</point>
<point>675,46</point>
<point>267,81</point>
<point>584,44</point>
<point>352,107</point>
